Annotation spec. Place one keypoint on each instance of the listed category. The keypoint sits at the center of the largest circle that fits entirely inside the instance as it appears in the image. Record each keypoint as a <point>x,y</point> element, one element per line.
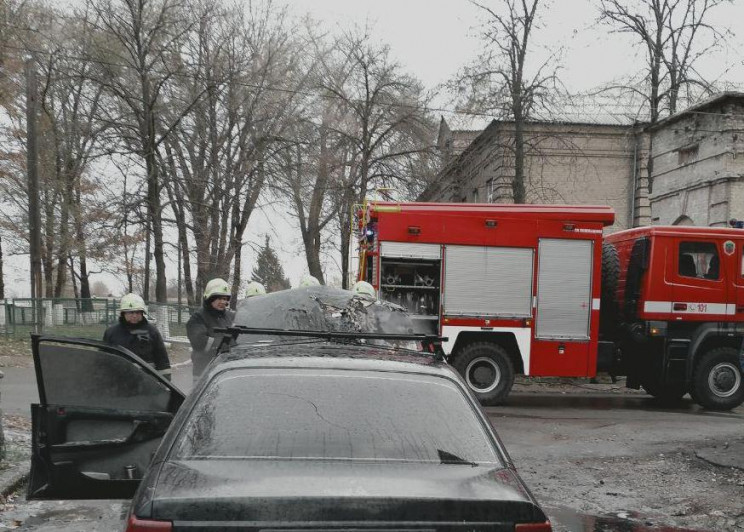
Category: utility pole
<point>34,217</point>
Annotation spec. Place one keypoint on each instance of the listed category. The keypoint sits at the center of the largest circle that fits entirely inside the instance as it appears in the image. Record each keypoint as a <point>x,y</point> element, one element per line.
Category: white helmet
<point>216,288</point>
<point>363,288</point>
<point>254,288</point>
<point>309,280</point>
<point>132,303</point>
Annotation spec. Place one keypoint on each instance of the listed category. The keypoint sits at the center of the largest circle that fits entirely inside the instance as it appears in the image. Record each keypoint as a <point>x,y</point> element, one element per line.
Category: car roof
<point>329,355</point>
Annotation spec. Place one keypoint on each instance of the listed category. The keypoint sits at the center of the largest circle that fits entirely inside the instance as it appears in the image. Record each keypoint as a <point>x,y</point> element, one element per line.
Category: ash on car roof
<point>432,343</point>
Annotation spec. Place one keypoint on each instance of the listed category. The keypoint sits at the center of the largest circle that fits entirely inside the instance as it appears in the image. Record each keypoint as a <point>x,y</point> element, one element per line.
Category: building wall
<point>565,163</point>
<point>699,165</point>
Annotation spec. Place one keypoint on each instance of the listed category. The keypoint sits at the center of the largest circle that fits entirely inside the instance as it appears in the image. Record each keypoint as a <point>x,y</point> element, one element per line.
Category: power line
<point>565,115</point>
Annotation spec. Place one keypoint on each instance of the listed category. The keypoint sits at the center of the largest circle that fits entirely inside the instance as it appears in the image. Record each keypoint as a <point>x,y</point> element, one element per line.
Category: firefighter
<point>214,313</point>
<point>254,288</point>
<point>309,280</point>
<point>135,333</point>
<point>364,289</point>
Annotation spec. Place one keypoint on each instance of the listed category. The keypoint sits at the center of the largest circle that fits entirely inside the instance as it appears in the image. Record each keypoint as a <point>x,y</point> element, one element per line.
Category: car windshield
<point>334,415</point>
<point>320,308</point>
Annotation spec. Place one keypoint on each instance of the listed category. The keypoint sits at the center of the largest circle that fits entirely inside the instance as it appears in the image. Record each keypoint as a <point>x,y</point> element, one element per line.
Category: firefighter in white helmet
<point>135,333</point>
<point>213,314</point>
<point>309,280</point>
<point>254,288</point>
<point>364,289</point>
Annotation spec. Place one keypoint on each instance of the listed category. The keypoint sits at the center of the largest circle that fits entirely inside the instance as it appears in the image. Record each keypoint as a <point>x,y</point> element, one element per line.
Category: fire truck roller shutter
<point>488,281</point>
<point>564,289</point>
<point>409,250</point>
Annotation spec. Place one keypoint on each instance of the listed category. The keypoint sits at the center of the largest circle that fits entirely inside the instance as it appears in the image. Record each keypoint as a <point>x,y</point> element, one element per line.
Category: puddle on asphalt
<point>566,520</point>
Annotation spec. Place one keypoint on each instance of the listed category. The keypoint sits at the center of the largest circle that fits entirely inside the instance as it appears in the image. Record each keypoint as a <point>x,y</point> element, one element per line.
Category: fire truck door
<point>564,306</point>
<point>699,277</point>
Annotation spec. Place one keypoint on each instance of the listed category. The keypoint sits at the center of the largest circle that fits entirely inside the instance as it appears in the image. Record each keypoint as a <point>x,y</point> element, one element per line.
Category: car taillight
<point>147,525</point>
<point>534,527</point>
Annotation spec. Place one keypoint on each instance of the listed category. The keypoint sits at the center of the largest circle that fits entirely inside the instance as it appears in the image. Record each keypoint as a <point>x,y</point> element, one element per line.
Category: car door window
<point>91,377</point>
<point>699,260</point>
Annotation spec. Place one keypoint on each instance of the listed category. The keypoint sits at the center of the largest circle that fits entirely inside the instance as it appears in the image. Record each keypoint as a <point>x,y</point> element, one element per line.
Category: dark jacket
<point>200,330</point>
<point>142,339</point>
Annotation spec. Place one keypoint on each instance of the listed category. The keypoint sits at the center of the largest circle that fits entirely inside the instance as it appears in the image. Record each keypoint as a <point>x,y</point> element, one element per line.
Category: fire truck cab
<point>515,289</point>
<point>679,312</point>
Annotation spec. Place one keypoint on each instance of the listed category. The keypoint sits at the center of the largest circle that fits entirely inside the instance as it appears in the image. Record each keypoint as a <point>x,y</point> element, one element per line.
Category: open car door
<point>102,414</point>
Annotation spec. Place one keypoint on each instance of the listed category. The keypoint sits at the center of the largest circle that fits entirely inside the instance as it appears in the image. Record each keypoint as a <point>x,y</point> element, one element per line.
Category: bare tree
<point>239,59</point>
<point>380,123</point>
<point>674,34</point>
<point>500,82</point>
<point>70,104</point>
<point>135,57</point>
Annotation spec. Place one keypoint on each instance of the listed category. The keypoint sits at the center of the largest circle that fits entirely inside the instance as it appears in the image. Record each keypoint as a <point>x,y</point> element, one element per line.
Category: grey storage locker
<point>491,281</point>
<point>564,289</point>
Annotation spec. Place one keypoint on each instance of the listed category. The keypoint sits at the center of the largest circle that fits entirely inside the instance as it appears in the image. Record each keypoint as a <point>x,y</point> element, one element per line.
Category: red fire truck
<point>519,289</point>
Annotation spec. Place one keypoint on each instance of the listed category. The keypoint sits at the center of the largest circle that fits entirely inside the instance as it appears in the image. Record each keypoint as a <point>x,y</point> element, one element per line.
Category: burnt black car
<point>281,433</point>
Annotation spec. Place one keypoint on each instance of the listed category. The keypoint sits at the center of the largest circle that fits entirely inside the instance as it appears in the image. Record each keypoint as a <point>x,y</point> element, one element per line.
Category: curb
<point>12,478</point>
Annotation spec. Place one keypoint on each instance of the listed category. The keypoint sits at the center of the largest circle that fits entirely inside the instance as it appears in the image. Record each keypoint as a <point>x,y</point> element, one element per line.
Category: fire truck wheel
<point>717,382</point>
<point>487,370</point>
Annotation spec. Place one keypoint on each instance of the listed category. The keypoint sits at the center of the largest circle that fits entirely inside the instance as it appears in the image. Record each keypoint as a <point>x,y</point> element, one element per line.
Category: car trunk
<point>215,495</point>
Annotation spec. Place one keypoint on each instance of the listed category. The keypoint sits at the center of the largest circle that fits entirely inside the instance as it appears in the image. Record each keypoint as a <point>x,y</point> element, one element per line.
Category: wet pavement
<point>567,520</point>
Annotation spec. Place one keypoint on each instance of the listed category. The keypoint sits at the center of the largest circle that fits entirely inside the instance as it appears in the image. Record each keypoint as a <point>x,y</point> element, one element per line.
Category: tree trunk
<point>47,258</point>
<point>73,277</point>
<point>518,188</point>
<point>148,261</point>
<point>153,208</point>
<point>64,236</point>
<point>237,245</point>
<point>186,267</point>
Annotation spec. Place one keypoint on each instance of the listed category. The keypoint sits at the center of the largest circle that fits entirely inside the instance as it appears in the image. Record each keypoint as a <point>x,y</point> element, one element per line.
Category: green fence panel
<point>83,318</point>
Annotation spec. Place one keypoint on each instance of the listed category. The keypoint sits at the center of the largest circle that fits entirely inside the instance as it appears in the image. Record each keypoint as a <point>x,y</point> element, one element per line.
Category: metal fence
<point>85,318</point>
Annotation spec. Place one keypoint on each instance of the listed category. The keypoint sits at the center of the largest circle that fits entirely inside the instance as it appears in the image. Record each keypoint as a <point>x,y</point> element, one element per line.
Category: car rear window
<point>344,415</point>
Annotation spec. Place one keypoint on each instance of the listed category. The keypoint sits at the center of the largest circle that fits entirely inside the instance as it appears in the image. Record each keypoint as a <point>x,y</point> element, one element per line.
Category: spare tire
<point>608,313</point>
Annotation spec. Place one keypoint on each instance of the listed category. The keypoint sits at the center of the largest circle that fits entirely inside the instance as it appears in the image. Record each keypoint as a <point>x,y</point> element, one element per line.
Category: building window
<point>688,155</point>
<point>699,259</point>
<point>489,191</point>
<point>475,195</point>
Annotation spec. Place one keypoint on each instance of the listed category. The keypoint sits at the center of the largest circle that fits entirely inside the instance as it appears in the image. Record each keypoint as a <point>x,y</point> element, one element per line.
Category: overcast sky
<point>433,38</point>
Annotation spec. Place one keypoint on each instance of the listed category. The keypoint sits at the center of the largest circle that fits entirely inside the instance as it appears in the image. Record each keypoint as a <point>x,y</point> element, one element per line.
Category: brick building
<point>569,163</point>
<point>698,163</point>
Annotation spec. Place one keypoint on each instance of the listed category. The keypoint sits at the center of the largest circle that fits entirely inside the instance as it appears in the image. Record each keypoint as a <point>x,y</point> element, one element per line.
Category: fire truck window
<point>742,261</point>
<point>699,259</point>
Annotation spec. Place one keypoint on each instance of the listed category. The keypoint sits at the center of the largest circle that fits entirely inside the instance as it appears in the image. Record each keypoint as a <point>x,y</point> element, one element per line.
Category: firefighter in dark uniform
<point>214,313</point>
<point>135,333</point>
